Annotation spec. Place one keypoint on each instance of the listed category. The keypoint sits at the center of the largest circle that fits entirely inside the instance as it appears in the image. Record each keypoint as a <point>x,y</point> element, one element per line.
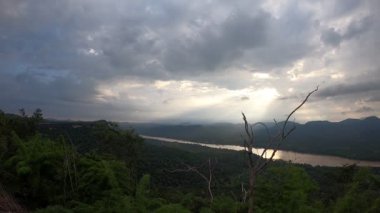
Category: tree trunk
<point>251,192</point>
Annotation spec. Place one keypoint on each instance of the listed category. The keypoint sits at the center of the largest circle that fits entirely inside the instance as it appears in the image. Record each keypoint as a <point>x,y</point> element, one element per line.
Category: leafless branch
<point>70,168</point>
<point>244,192</point>
<point>258,164</point>
<point>295,110</point>
<point>208,178</point>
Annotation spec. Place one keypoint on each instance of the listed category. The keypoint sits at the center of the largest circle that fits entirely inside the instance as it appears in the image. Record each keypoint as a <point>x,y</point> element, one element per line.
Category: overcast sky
<point>195,61</point>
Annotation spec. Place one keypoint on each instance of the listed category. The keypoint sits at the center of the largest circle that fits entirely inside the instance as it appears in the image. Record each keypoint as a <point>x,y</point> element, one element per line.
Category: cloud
<point>218,44</point>
<point>85,59</point>
<point>244,98</point>
<point>349,89</point>
<point>340,8</point>
<point>332,37</point>
<point>364,109</point>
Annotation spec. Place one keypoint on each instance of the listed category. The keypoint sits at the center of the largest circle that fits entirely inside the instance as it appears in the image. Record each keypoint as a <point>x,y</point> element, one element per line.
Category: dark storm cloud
<point>219,44</point>
<point>96,40</point>
<point>55,54</point>
<point>290,37</point>
<point>62,97</point>
<point>350,89</point>
<point>332,37</point>
<point>146,39</point>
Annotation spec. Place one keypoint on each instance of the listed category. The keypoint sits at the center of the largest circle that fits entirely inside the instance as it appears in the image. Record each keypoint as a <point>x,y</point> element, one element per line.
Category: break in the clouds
<point>198,61</point>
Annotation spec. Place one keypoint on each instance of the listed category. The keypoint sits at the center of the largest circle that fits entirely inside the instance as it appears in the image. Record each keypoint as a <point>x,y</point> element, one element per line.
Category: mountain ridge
<point>353,138</point>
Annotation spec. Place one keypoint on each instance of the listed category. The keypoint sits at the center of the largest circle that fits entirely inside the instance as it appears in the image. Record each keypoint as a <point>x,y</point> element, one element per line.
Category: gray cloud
<point>361,110</point>
<point>332,37</point>
<point>343,7</point>
<point>348,89</point>
<point>218,44</point>
<point>244,98</point>
<point>373,98</point>
<point>364,109</point>
<point>56,54</point>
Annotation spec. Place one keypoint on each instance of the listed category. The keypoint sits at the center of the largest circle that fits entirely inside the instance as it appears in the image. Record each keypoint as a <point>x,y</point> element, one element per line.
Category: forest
<point>67,166</point>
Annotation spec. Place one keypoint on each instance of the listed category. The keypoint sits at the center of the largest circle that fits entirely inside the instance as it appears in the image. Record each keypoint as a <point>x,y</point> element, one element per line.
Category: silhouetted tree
<point>257,164</point>
<point>22,112</point>
<point>37,115</point>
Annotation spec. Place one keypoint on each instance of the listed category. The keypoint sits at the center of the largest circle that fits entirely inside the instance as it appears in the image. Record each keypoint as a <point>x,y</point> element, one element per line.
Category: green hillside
<point>98,167</point>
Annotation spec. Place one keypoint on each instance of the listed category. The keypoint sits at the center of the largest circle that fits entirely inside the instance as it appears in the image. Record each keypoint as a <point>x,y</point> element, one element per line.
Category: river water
<point>295,157</point>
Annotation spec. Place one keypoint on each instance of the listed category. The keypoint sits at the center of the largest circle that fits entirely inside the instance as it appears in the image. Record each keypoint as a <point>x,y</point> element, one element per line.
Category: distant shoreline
<point>295,157</point>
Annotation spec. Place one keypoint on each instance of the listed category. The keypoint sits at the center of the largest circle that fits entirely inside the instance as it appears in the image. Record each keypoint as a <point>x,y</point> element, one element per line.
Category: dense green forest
<point>99,167</point>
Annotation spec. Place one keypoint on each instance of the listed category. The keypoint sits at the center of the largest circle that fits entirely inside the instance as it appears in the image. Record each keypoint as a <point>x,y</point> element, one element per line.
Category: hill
<point>116,171</point>
<point>352,138</point>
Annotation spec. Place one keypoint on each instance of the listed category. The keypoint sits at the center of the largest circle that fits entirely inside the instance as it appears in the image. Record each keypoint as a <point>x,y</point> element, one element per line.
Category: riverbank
<point>294,157</point>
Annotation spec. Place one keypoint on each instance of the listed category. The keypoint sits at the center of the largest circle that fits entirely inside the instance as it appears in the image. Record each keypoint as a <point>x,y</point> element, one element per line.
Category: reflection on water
<point>295,157</point>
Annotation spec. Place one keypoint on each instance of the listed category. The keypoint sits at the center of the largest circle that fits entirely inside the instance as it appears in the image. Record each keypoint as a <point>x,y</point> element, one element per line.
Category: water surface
<point>295,157</point>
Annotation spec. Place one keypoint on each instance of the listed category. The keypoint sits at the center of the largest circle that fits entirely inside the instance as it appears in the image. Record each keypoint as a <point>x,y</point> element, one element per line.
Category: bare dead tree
<point>207,177</point>
<point>244,193</point>
<point>257,164</point>
<point>70,168</point>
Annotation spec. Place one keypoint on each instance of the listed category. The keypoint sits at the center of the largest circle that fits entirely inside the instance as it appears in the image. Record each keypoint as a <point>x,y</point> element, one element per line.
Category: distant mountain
<point>225,133</point>
<point>353,138</point>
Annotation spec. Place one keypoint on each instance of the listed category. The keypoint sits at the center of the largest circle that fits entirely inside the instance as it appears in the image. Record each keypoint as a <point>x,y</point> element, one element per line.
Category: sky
<point>190,61</point>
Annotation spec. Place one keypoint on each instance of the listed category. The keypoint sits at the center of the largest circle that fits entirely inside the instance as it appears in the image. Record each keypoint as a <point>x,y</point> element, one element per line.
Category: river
<point>294,157</point>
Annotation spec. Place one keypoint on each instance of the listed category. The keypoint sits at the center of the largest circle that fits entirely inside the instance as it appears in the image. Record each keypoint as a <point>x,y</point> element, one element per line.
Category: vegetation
<point>97,167</point>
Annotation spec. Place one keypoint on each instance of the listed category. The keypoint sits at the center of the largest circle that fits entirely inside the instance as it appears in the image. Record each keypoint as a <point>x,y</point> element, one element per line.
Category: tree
<point>101,177</point>
<point>35,169</point>
<point>206,177</point>
<point>257,165</point>
<point>362,195</point>
<point>22,112</point>
<point>285,188</point>
<point>37,115</point>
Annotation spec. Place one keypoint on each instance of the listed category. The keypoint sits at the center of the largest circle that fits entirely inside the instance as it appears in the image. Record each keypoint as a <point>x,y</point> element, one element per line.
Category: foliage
<point>103,178</point>
<point>193,202</point>
<point>172,208</point>
<point>285,189</point>
<point>37,168</point>
<point>224,204</point>
<point>100,137</point>
<point>363,194</point>
<point>41,169</point>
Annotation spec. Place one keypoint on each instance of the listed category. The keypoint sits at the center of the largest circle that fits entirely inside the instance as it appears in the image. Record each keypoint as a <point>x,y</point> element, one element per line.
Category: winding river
<point>295,157</point>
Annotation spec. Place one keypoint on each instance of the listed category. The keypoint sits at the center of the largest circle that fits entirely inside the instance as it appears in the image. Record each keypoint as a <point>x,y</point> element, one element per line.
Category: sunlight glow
<point>337,75</point>
<point>189,98</point>
<point>261,75</point>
